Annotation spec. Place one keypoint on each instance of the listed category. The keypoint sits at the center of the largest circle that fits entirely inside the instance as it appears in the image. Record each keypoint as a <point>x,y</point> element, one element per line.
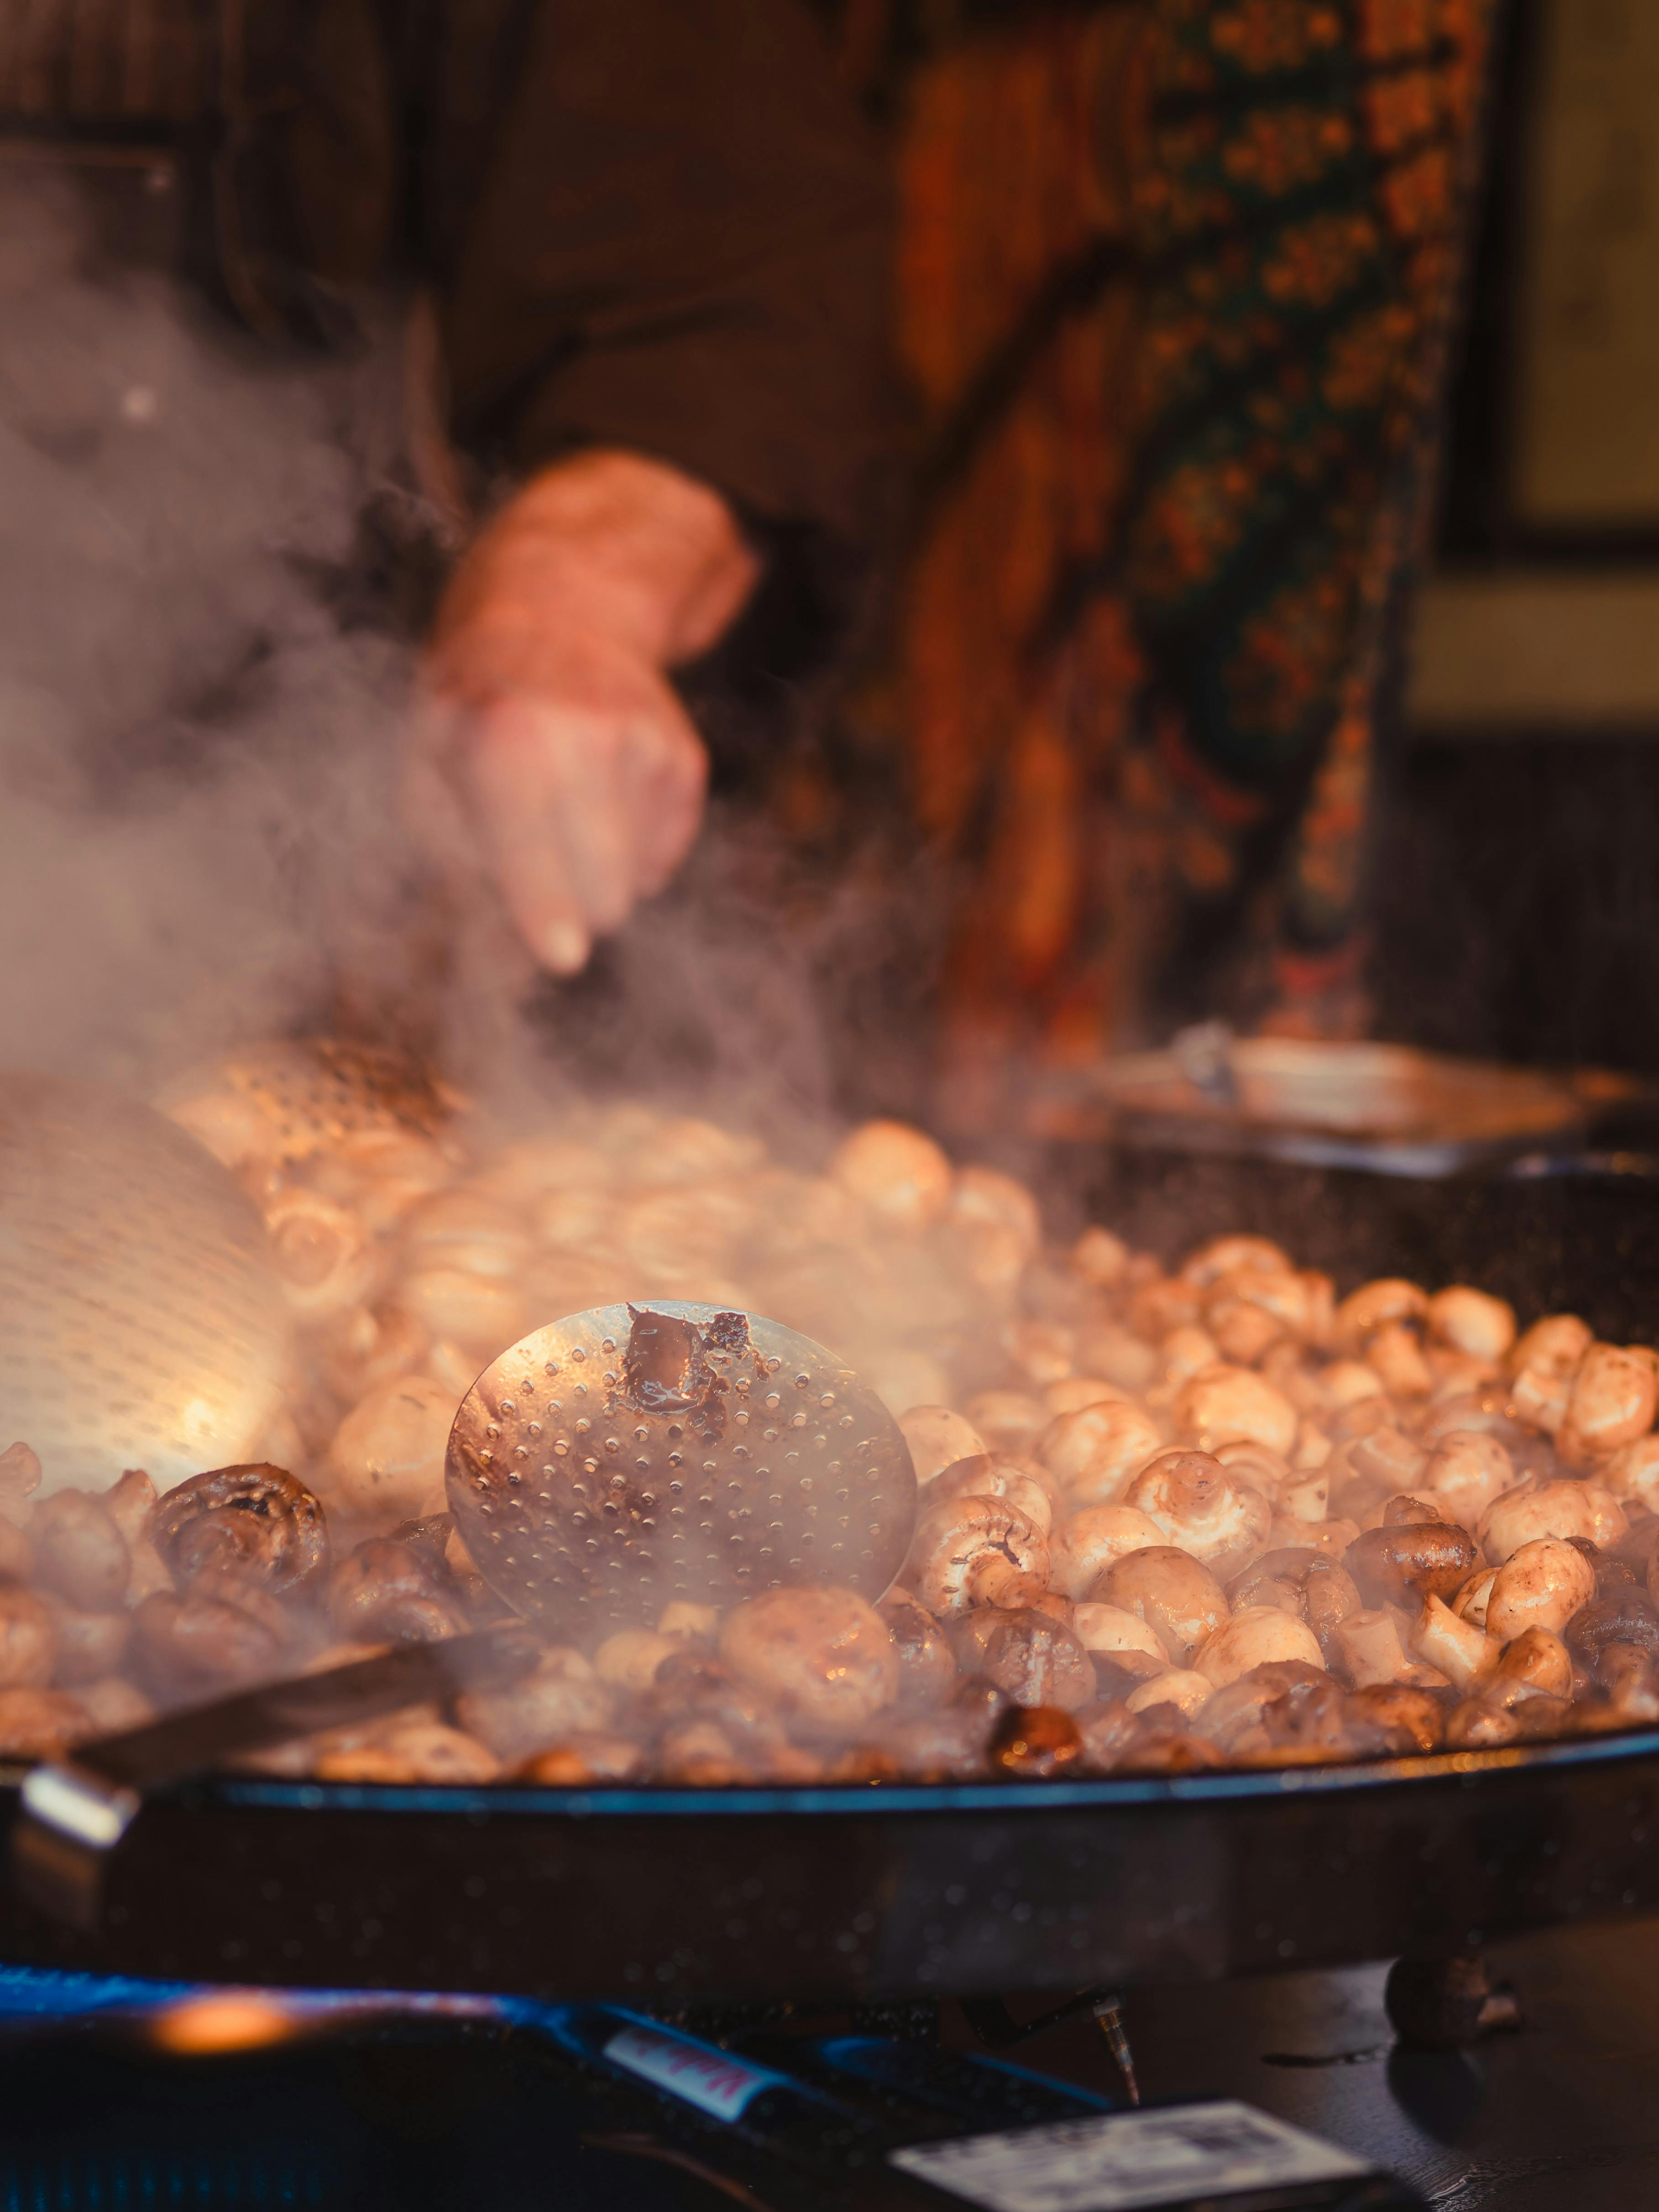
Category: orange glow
<point>230,2020</point>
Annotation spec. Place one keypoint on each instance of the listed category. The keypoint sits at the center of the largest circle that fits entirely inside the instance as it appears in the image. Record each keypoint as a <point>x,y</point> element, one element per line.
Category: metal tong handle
<point>75,1810</point>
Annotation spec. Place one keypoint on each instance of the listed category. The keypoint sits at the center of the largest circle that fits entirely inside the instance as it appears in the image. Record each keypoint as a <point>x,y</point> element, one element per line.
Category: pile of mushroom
<point>1167,1519</point>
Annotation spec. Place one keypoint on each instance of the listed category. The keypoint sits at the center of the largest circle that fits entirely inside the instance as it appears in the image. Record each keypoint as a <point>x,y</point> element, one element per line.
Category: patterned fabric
<point>1175,286</point>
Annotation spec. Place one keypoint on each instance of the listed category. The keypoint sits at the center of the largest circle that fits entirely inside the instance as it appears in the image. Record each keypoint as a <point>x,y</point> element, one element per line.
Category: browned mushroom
<point>1541,1585</point>
<point>1034,1742</point>
<point>927,1664</point>
<point>387,1592</point>
<point>425,1751</point>
<point>88,1645</point>
<point>1404,1561</point>
<point>1107,1728</point>
<point>1175,1593</point>
<point>1537,1659</point>
<point>585,1756</point>
<point>79,1552</point>
<point>1233,1405</point>
<point>186,1645</point>
<point>1037,1660</point>
<point>1302,1581</point>
<point>1409,1719</point>
<point>824,1654</point>
<point>255,1518</point>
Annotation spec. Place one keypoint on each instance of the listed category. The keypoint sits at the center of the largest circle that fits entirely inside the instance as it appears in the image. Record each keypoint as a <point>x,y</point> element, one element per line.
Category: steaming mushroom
<point>1474,1595</point>
<point>480,1313</point>
<point>1408,1719</point>
<point>1097,1451</point>
<point>1372,1306</point>
<point>1541,1583</point>
<point>1173,1593</point>
<point>424,1750</point>
<point>984,1198</point>
<point>40,1723</point>
<point>938,1439</point>
<point>389,1591</point>
<point>629,1659</point>
<point>1553,1346</point>
<point>823,1653</point>
<point>20,1478</point>
<point>1231,1405</point>
<point>1457,1649</point>
<point>1120,1636</point>
<point>1397,1358</point>
<point>255,1519</point>
<point>1473,1322</point>
<point>1099,1258</point>
<point>1223,1256</point>
<point>976,1551</point>
<point>1074,1392</point>
<point>1253,1637</point>
<point>28,1640</point>
<point>1183,1687</point>
<point>1008,1420</point>
<point>903,1176</point>
<point>561,1695</point>
<point>1036,1660</point>
<point>1020,1482</point>
<point>927,1664</point>
<point>1465,1475</point>
<point>1632,1473</point>
<point>386,1459</point>
<point>1409,1559</point>
<point>1305,1583</point>
<point>468,1228</point>
<point>1198,1504</point>
<point>1371,1650</point>
<point>585,1756</point>
<point>367,1348</point>
<point>89,1645</point>
<point>79,1552</point>
<point>1537,1660</point>
<point>188,1646</point>
<point>1089,1542</point>
<point>1612,1400</point>
<point>1559,1508</point>
<point>1116,1356</point>
<point>324,1256</point>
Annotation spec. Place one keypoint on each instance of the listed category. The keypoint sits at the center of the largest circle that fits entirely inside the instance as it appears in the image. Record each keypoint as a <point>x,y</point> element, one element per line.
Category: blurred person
<point>646,248</point>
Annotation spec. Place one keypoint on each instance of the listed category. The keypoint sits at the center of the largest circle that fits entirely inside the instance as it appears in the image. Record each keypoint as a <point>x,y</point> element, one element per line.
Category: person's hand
<point>556,760</point>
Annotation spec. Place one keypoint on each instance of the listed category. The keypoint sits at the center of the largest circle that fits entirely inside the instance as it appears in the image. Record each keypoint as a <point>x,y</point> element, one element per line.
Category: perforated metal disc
<point>589,1508</point>
<point>141,1322</point>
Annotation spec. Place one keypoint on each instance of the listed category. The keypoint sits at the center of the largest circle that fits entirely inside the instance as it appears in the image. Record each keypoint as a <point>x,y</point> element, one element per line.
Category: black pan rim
<point>469,1803</point>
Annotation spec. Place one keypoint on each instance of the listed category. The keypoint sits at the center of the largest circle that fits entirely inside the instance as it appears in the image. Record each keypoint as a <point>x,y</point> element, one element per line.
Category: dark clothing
<point>650,223</point>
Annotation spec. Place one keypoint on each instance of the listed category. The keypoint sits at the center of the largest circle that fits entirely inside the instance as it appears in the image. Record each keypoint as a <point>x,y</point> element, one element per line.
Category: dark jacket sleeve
<point>660,224</point>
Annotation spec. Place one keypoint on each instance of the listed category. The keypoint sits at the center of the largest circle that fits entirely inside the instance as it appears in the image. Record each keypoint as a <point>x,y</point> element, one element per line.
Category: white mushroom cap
<point>1633,1472</point>
<point>1021,1482</point>
<point>386,1460</point>
<point>1008,1420</point>
<point>1255,1635</point>
<point>1473,1322</point>
<point>822,1653</point>
<point>985,1198</point>
<point>1553,1346</point>
<point>1465,1472</point>
<point>1388,1299</point>
<point>1181,1686</point>
<point>901,1175</point>
<point>1201,1506</point>
<point>1074,1392</point>
<point>1084,1547</point>
<point>976,1551</point>
<point>1613,1397</point>
<point>1096,1451</point>
<point>937,1438</point>
<point>1109,1628</point>
<point>1099,1257</point>
<point>1541,1585</point>
<point>1229,1255</point>
<point>1231,1405</point>
<point>1559,1507</point>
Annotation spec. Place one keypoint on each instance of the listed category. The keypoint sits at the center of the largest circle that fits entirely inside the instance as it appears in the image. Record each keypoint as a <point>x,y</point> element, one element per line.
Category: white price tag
<point>1123,2161</point>
<point>711,2080</point>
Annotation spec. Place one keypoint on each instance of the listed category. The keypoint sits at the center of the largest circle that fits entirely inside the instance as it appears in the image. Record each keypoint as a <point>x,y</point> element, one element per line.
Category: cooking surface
<point>1561,2113</point>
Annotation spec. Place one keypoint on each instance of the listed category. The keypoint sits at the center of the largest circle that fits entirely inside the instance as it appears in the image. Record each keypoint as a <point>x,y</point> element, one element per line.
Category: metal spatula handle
<point>75,1810</point>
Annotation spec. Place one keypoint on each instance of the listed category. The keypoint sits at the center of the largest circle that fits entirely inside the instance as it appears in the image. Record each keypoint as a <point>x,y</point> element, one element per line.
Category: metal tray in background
<point>676,1897</point>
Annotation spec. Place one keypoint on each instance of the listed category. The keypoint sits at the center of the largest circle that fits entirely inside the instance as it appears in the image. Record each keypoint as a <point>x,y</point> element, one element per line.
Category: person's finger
<point>517,799</point>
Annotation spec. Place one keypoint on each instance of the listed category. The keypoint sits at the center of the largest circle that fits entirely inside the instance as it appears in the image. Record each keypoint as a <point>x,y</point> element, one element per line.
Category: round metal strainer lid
<point>628,1456</point>
<point>140,1321</point>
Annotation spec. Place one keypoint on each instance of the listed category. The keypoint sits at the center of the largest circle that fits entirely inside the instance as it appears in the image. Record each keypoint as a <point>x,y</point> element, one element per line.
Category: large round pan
<point>675,1896</point>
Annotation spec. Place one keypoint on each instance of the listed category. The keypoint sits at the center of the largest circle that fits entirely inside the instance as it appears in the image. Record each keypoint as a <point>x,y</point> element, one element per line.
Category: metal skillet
<point>675,1896</point>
